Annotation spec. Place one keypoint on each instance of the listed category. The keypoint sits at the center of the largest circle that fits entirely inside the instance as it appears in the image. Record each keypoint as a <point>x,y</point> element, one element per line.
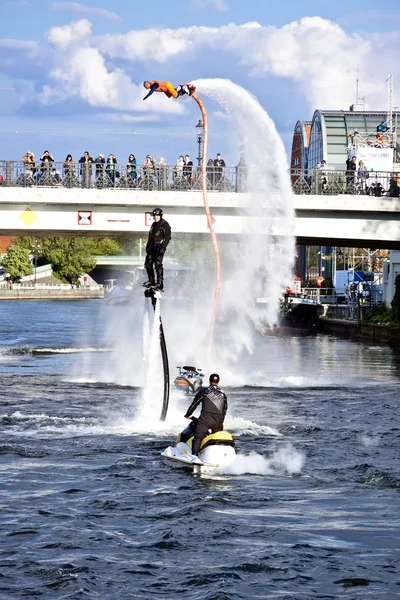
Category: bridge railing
<point>332,182</point>
<point>146,177</point>
<point>151,177</point>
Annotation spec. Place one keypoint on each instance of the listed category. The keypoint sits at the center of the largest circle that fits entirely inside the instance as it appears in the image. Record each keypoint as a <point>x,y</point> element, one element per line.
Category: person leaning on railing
<point>362,174</point>
<point>149,168</point>
<point>111,168</point>
<point>351,166</point>
<point>99,162</point>
<point>29,161</point>
<point>162,174</point>
<point>68,165</point>
<point>46,160</point>
<point>324,175</point>
<point>86,162</point>
<point>131,167</point>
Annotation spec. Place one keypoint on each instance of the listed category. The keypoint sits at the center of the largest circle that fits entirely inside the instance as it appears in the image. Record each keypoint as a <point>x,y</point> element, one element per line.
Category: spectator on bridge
<point>210,172</point>
<point>131,168</point>
<point>188,169</point>
<point>324,175</point>
<point>68,165</point>
<point>86,162</point>
<point>180,163</point>
<point>162,174</point>
<point>219,163</point>
<point>149,167</point>
<point>111,168</point>
<point>99,162</point>
<point>362,174</point>
<point>351,166</point>
<point>149,172</point>
<point>29,162</point>
<point>46,160</point>
<point>394,190</point>
<point>56,175</point>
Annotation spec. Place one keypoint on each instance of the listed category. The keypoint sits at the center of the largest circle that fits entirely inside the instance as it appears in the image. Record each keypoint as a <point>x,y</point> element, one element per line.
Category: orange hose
<point>210,221</point>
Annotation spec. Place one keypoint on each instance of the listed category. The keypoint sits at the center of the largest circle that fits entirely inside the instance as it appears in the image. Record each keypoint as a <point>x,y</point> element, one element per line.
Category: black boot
<point>148,284</point>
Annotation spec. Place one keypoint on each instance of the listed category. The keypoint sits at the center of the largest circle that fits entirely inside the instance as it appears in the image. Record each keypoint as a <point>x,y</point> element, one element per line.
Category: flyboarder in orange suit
<point>168,89</point>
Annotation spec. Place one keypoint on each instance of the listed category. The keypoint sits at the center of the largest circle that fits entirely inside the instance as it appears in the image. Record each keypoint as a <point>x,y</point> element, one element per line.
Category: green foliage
<point>69,257</point>
<point>130,245</point>
<point>396,301</point>
<point>103,246</point>
<point>17,263</point>
<point>378,314</point>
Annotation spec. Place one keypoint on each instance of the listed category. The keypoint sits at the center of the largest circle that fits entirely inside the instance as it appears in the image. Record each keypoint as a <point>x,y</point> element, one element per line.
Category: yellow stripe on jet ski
<point>219,435</point>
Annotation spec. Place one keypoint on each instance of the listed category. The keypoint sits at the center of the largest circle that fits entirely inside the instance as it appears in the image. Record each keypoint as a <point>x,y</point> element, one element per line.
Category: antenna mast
<point>357,87</point>
<point>389,119</point>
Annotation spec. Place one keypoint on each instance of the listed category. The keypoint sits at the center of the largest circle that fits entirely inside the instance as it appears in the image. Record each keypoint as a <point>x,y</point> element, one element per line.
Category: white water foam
<point>285,461</point>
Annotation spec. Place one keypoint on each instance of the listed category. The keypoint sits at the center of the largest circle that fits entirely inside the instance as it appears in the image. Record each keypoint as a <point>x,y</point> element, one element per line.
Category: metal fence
<point>328,182</point>
<point>152,177</point>
<point>118,176</point>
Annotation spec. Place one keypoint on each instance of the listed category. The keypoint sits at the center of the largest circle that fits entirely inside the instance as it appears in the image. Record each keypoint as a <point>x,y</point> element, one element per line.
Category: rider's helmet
<point>157,211</point>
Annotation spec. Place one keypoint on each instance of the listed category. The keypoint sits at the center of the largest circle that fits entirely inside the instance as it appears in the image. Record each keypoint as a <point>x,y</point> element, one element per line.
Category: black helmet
<point>157,211</point>
<point>214,378</point>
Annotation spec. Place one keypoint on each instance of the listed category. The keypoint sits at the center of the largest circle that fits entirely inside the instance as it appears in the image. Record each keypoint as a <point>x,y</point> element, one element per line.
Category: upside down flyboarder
<point>168,89</point>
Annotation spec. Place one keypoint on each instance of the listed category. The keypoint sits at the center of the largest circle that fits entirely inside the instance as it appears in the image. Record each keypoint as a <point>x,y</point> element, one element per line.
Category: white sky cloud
<point>79,70</point>
<point>87,11</point>
<point>315,53</point>
<point>315,57</point>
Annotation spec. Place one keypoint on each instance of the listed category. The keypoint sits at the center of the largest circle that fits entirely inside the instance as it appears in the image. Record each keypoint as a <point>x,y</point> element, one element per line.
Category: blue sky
<point>71,73</point>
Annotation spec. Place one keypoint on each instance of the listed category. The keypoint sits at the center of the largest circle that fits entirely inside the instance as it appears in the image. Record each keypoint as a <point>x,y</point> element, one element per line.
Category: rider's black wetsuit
<point>213,411</point>
<point>159,237</point>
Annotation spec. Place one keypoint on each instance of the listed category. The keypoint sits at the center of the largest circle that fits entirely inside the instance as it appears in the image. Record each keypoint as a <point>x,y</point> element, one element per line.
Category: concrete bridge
<point>341,220</point>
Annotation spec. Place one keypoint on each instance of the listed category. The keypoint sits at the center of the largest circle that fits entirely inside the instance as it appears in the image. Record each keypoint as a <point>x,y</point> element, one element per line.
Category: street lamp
<point>200,126</point>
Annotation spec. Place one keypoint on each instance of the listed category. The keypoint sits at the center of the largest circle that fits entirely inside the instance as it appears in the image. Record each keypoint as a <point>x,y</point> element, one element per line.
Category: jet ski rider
<point>213,411</point>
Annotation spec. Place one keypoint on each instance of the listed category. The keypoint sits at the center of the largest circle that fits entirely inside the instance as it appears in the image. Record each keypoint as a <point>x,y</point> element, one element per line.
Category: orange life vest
<point>166,87</point>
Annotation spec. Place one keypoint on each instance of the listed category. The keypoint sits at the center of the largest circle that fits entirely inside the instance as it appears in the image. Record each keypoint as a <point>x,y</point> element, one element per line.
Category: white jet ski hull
<point>209,460</point>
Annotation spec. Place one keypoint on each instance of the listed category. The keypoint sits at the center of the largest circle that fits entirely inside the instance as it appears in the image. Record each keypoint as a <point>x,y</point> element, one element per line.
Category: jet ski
<point>189,379</point>
<point>216,450</point>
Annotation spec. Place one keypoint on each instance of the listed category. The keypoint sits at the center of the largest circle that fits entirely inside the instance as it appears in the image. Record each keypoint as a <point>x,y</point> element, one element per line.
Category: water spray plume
<point>262,264</point>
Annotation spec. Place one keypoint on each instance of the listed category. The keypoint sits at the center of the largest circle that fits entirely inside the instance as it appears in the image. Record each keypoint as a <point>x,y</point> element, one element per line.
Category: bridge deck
<point>354,220</point>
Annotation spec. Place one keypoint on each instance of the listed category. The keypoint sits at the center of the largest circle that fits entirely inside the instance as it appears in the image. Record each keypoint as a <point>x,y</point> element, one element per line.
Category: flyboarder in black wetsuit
<point>213,411</point>
<point>159,238</point>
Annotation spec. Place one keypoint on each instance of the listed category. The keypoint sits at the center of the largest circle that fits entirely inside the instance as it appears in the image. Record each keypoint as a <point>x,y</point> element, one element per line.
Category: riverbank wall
<point>52,294</point>
<point>384,334</point>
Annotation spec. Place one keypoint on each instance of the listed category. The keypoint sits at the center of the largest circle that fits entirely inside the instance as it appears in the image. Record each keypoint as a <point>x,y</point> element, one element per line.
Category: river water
<point>310,509</point>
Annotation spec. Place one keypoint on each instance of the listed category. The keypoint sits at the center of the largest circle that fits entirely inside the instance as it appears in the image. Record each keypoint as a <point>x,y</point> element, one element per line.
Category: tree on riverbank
<point>70,257</point>
<point>17,263</point>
